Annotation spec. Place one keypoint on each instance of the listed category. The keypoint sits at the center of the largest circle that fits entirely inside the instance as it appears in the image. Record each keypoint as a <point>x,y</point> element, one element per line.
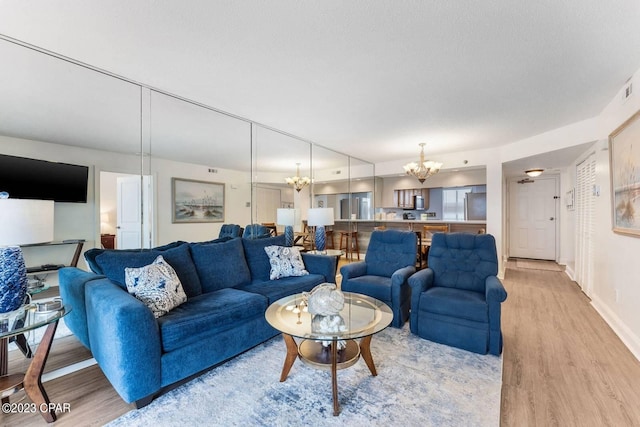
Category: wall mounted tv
<point>26,178</point>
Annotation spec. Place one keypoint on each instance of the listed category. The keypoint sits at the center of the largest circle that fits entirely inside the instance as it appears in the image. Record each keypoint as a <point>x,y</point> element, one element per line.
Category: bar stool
<point>329,238</point>
<point>349,243</point>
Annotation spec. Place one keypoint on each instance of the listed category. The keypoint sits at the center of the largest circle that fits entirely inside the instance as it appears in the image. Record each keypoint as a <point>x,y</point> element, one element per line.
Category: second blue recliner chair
<point>457,299</point>
<point>388,264</point>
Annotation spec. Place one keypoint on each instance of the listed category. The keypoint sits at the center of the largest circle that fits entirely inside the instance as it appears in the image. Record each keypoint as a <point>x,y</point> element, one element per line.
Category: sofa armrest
<point>321,264</point>
<point>494,291</point>
<point>72,282</point>
<point>355,269</point>
<point>125,340</point>
<point>419,282</point>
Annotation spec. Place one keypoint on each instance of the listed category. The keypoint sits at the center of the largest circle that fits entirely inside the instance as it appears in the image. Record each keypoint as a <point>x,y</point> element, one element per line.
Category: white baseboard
<point>569,272</point>
<point>48,376</point>
<point>629,339</point>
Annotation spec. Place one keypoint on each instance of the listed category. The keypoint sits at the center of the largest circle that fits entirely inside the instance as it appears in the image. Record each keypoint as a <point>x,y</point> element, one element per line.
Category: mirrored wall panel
<point>282,176</point>
<point>64,125</point>
<point>200,165</point>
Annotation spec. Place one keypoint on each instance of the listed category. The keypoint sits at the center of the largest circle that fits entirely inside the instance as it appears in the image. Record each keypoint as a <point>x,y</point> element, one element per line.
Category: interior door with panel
<point>533,218</point>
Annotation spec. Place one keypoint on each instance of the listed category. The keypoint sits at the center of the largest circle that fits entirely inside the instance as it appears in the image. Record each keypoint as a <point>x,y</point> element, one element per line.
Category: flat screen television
<point>25,178</point>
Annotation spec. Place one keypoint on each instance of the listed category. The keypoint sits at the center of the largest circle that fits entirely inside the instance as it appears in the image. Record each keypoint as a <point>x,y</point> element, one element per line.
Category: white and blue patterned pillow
<point>285,262</point>
<point>156,285</point>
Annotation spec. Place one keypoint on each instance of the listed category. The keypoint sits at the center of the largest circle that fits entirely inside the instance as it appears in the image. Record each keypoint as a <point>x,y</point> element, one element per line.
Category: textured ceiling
<point>366,77</point>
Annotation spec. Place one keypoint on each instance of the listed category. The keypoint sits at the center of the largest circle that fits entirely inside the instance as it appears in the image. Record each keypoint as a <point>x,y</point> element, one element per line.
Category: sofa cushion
<point>285,262</point>
<point>257,258</point>
<point>91,254</point>
<point>113,262</point>
<point>207,315</point>
<point>276,289</point>
<point>459,303</point>
<point>156,285</point>
<point>220,265</point>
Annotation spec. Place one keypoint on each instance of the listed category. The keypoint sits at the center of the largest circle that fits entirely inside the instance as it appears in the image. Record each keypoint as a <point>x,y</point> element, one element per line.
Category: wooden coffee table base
<point>32,380</point>
<point>313,354</point>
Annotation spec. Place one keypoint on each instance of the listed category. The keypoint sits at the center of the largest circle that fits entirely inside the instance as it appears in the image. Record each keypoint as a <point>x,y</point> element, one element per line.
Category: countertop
<point>419,221</point>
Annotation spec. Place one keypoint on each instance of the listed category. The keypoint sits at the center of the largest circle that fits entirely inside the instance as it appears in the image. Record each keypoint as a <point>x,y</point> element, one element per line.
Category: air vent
<point>627,91</point>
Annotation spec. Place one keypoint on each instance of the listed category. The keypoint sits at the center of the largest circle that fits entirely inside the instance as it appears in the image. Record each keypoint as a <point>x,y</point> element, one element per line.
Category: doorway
<point>126,210</point>
<point>533,222</point>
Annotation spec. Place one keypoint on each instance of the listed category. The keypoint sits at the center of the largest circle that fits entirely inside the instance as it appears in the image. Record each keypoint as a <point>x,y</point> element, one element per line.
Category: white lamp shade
<point>287,216</point>
<point>24,222</point>
<point>320,217</point>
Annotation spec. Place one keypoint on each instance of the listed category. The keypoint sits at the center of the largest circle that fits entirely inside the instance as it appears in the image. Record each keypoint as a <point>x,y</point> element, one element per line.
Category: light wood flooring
<point>563,365</point>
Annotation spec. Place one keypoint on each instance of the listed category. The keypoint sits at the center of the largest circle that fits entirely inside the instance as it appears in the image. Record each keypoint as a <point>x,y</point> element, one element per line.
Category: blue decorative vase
<point>288,235</point>
<point>321,242</point>
<point>13,279</point>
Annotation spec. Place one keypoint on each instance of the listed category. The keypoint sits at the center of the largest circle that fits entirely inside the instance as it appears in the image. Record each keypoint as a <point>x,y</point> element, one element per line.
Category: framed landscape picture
<point>196,201</point>
<point>624,162</point>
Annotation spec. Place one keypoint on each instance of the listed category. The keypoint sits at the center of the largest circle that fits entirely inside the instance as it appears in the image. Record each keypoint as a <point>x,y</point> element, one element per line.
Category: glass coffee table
<point>15,324</point>
<point>362,317</point>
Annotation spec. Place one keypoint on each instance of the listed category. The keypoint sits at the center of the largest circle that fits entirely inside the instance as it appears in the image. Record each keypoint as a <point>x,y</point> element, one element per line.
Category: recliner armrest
<point>419,282</point>
<point>355,269</point>
<point>494,290</point>
<point>402,275</point>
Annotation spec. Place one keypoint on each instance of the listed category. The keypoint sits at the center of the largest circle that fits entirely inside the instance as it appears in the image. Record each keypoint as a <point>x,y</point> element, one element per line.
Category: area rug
<point>536,264</point>
<point>419,383</point>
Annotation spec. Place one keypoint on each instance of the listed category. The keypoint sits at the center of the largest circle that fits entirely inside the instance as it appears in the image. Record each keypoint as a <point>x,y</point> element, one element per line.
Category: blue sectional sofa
<point>228,291</point>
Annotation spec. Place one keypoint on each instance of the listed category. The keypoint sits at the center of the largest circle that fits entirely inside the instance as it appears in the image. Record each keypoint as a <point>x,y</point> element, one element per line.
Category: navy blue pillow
<point>112,264</point>
<point>91,255</point>
<point>220,265</point>
<point>257,258</point>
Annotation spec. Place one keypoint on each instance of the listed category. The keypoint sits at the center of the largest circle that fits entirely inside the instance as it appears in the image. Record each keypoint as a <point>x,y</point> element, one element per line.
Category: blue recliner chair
<point>256,231</point>
<point>456,299</point>
<point>383,274</point>
<point>230,230</point>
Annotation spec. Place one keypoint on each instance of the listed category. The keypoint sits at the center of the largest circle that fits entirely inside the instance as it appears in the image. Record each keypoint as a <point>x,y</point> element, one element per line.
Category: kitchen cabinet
<point>403,198</point>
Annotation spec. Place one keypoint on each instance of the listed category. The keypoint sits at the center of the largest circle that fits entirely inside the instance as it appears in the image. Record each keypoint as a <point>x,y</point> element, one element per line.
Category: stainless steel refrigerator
<point>360,206</point>
<point>475,206</point>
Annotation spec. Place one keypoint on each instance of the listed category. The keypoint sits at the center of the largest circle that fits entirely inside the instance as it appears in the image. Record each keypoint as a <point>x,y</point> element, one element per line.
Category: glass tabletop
<point>27,318</point>
<point>328,252</point>
<point>361,315</point>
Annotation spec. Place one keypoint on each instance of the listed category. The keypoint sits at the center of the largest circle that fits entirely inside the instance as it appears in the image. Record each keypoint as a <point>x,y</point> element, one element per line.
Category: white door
<point>532,218</point>
<point>133,229</point>
<point>584,215</point>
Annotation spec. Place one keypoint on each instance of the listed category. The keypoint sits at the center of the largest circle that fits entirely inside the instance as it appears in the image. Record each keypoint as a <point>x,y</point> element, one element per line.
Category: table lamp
<point>22,222</point>
<point>288,218</point>
<point>318,218</point>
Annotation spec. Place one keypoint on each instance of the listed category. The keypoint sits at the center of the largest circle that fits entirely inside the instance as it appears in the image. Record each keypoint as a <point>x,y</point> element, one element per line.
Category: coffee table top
<point>27,318</point>
<point>362,316</point>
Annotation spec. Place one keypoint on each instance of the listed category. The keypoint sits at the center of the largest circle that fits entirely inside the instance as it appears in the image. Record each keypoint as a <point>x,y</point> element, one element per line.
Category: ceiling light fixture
<point>423,169</point>
<point>534,172</point>
<point>297,181</point>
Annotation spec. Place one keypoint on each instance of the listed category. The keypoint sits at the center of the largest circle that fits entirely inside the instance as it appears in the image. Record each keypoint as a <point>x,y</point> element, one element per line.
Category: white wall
<point>82,220</point>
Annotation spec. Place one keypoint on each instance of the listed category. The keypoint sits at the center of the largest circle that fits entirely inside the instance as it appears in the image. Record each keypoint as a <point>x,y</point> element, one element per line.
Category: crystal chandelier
<point>297,181</point>
<point>423,169</point>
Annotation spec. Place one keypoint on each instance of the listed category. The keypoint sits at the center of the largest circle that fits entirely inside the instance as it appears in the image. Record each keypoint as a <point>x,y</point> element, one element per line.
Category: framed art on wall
<point>196,201</point>
<point>624,162</point>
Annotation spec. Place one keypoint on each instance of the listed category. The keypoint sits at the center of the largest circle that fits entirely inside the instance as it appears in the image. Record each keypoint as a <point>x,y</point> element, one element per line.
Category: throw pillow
<point>285,262</point>
<point>156,285</point>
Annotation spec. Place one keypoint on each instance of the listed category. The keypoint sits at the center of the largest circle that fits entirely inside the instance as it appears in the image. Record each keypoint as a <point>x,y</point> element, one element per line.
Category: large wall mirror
<point>200,165</point>
<point>56,111</point>
<point>278,156</point>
